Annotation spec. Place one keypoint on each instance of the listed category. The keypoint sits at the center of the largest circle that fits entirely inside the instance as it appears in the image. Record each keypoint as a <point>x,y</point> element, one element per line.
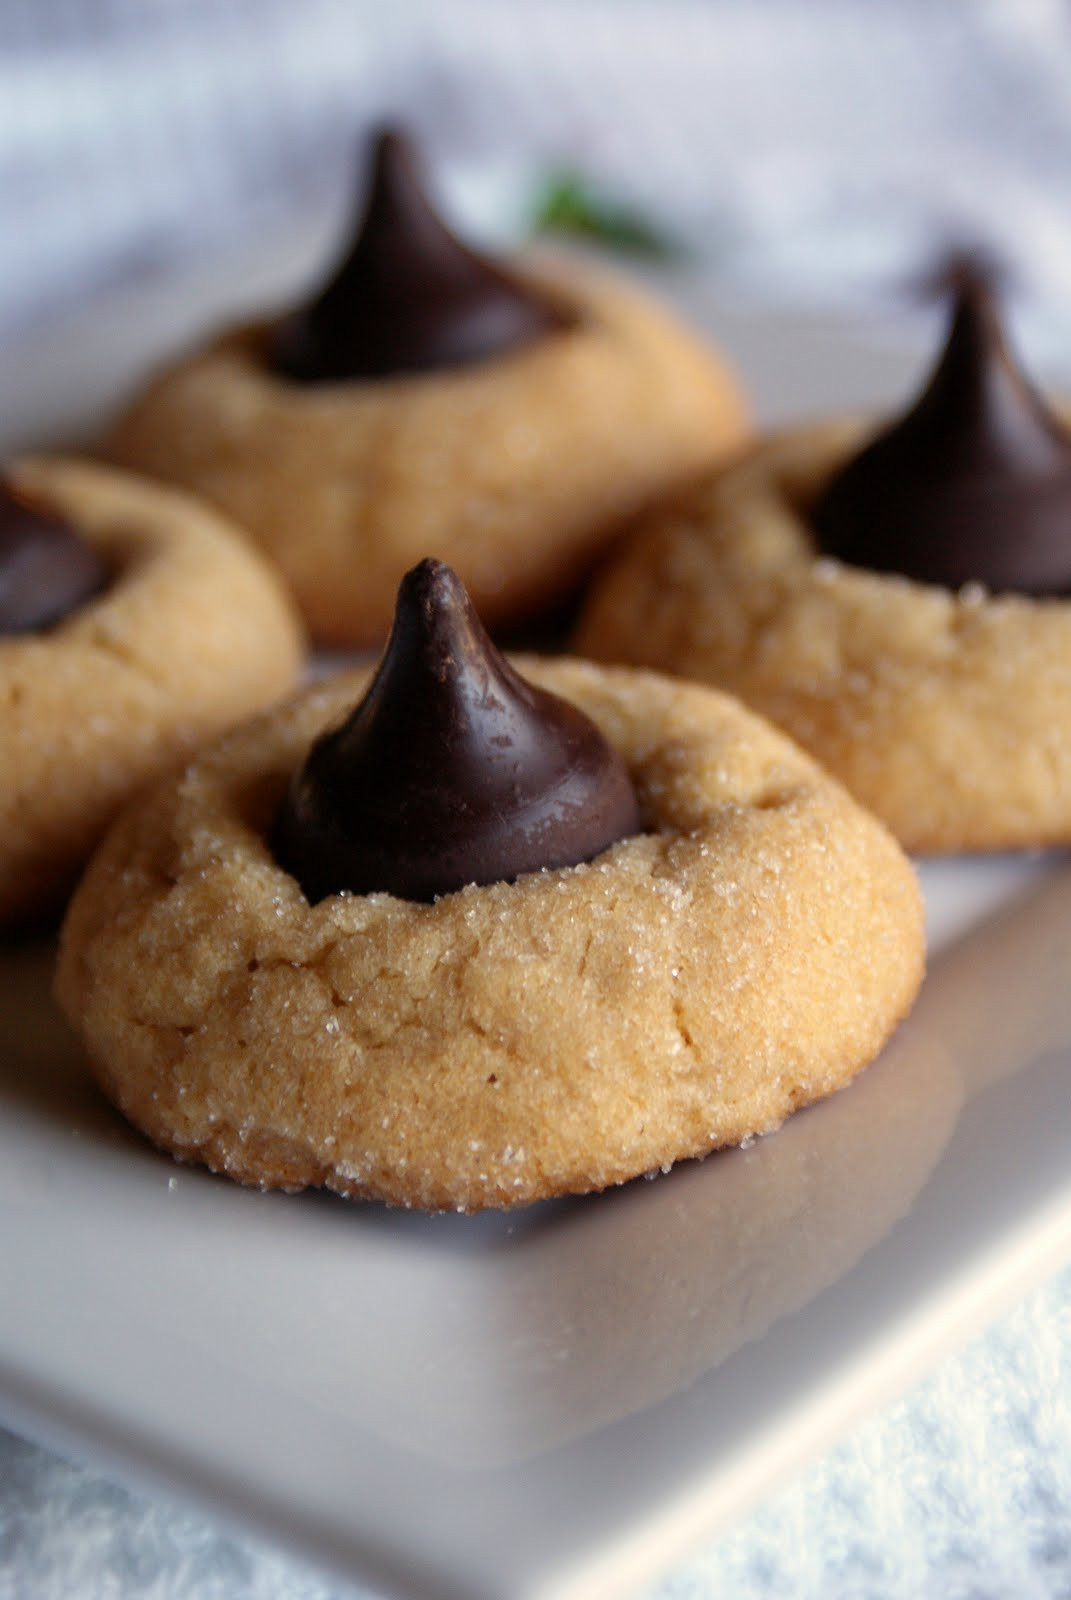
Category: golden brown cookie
<point>948,713</point>
<point>191,633</point>
<point>691,986</point>
<point>518,469</point>
<point>895,596</point>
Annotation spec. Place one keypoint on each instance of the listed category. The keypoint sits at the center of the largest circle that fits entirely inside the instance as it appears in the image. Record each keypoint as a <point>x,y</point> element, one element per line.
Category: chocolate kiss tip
<point>46,570</point>
<point>972,484</point>
<point>408,296</point>
<point>394,168</point>
<point>965,273</point>
<point>452,770</point>
<point>435,588</point>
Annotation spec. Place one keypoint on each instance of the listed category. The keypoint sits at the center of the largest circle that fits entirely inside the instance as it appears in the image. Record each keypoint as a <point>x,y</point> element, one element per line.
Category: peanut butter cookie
<point>133,624</point>
<point>897,602</point>
<point>745,946</point>
<point>428,400</point>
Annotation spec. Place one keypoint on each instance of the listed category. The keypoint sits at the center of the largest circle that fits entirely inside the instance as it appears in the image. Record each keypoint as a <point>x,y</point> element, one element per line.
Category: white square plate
<point>555,1403</point>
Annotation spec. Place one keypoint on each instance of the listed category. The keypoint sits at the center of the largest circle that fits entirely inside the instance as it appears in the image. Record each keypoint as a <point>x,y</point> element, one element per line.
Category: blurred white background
<point>813,152</point>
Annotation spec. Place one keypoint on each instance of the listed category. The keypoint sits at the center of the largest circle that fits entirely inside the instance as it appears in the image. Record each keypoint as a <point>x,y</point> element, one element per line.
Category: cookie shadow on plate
<point>43,1070</point>
<point>594,1309</point>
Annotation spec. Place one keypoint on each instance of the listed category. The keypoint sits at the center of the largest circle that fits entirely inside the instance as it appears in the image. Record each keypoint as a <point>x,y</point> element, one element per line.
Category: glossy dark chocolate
<point>452,770</point>
<point>973,484</point>
<point>408,296</point>
<point>46,570</point>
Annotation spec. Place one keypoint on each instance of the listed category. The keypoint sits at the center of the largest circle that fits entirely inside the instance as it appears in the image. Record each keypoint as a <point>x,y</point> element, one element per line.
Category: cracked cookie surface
<point>947,713</point>
<point>748,953</point>
<point>192,633</point>
<point>518,470</point>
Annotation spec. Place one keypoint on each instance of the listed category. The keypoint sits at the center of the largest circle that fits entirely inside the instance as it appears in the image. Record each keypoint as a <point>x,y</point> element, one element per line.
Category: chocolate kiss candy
<point>452,770</point>
<point>973,484</point>
<point>408,296</point>
<point>46,570</point>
